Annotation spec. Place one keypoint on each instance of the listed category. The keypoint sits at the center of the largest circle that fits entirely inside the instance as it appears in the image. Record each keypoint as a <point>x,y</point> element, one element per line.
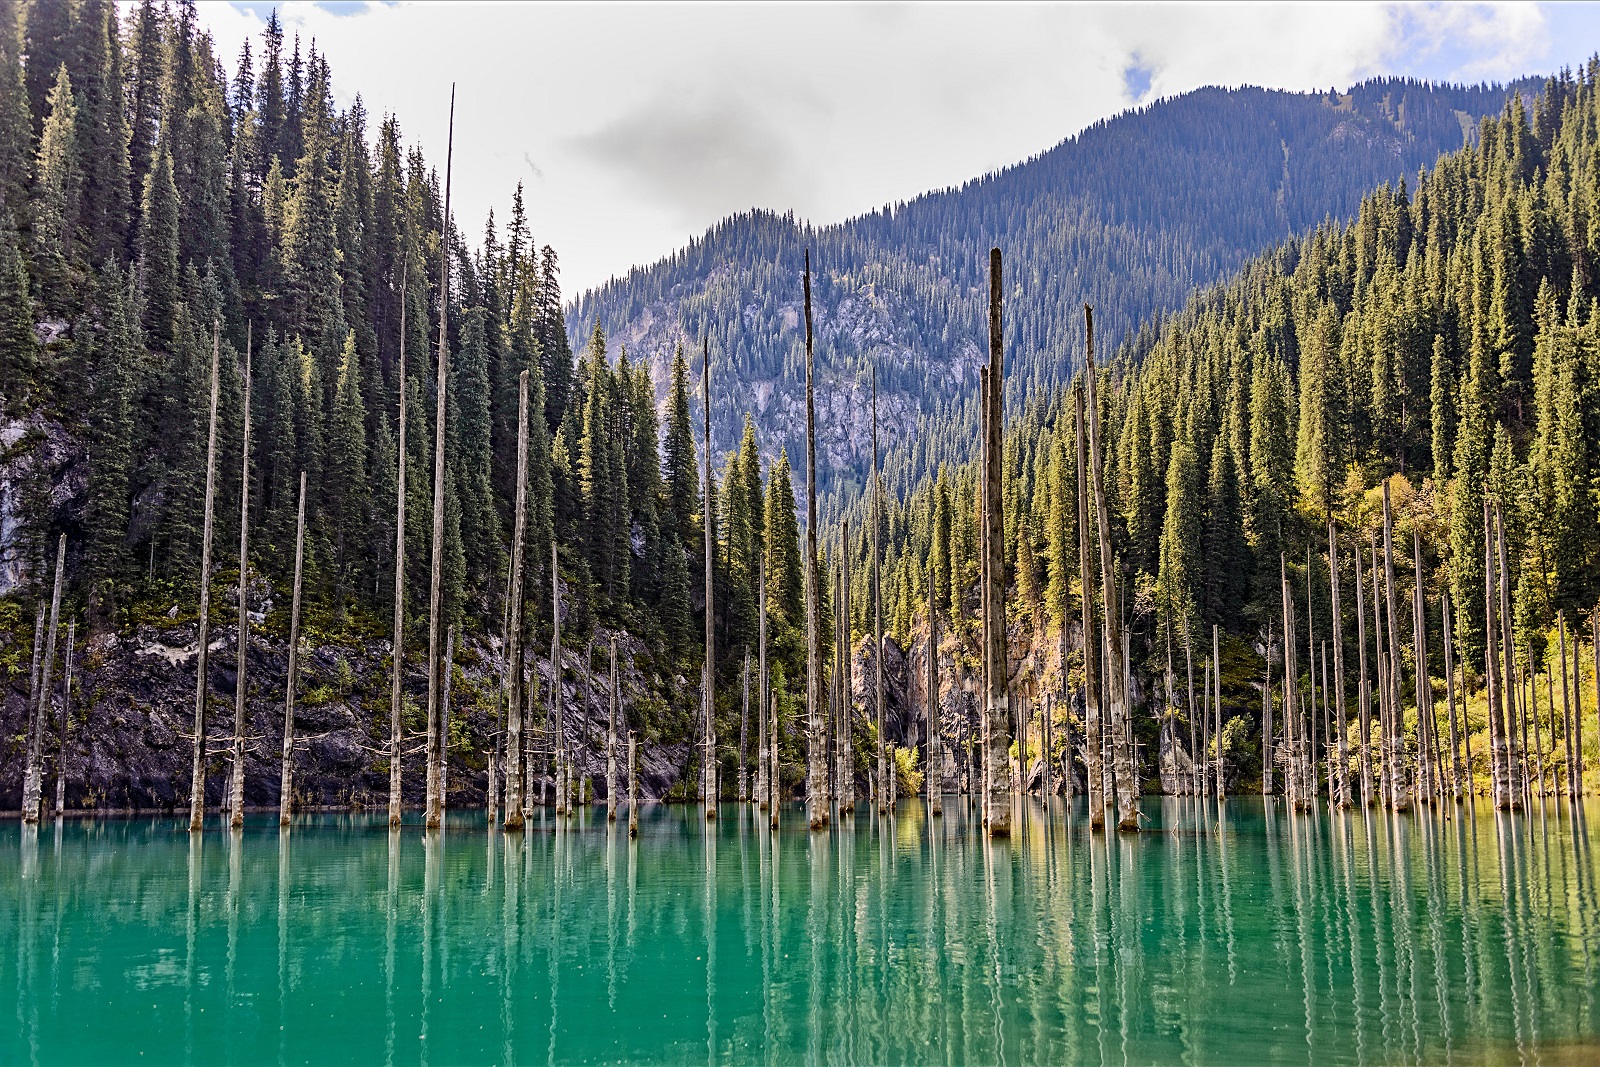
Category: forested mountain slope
<point>1131,215</point>
<point>1447,341</point>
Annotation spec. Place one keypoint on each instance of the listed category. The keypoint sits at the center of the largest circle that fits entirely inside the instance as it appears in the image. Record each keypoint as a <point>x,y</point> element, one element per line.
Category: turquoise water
<point>1248,936</point>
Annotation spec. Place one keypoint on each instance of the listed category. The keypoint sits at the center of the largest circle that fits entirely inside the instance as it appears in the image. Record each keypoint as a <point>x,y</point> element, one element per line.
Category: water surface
<point>1244,935</point>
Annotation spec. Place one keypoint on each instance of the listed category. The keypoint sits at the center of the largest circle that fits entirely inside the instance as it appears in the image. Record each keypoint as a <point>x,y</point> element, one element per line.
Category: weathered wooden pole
<point>1116,676</point>
<point>291,683</point>
<point>763,794</point>
<point>242,645</point>
<point>1533,713</point>
<point>64,724</point>
<point>611,736</point>
<point>515,802</point>
<point>33,782</point>
<point>1399,788</point>
<point>633,785</point>
<point>555,718</point>
<point>708,691</point>
<point>1342,770</point>
<point>935,773</point>
<point>1501,768</point>
<point>816,773</point>
<point>197,777</point>
<point>1091,685</point>
<point>435,584</point>
<point>398,633</point>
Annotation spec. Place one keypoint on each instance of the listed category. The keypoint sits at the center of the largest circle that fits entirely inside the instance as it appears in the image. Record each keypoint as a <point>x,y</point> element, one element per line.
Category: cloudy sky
<point>634,128</point>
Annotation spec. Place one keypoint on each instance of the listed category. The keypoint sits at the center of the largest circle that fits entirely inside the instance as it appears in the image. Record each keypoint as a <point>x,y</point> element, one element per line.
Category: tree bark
<point>708,694</point>
<point>33,783</point>
<point>1266,713</point>
<point>286,786</point>
<point>1093,771</point>
<point>197,777</point>
<point>816,773</point>
<point>555,716</point>
<point>1216,709</point>
<point>445,669</point>
<point>515,801</point>
<point>435,585</point>
<point>242,645</point>
<point>633,785</point>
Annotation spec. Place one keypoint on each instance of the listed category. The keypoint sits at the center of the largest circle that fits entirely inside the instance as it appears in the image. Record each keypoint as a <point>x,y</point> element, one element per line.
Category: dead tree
<point>1293,779</point>
<point>1428,786</point>
<point>709,778</point>
<point>1566,711</point>
<point>744,727</point>
<point>447,670</point>
<point>1091,687</point>
<point>1116,677</point>
<point>64,725</point>
<point>1363,689</point>
<point>1399,788</point>
<point>935,773</point>
<point>398,637</point>
<point>435,585</point>
<point>197,777</point>
<point>763,794</point>
<point>286,785</point>
<point>1450,694</point>
<point>1341,780</point>
<point>847,700</point>
<point>998,697</point>
<point>33,782</point>
<point>1513,712</point>
<point>633,785</point>
<point>554,715</point>
<point>816,773</point>
<point>1504,795</point>
<point>242,645</point>
<point>611,737</point>
<point>515,801</point>
<point>876,517</point>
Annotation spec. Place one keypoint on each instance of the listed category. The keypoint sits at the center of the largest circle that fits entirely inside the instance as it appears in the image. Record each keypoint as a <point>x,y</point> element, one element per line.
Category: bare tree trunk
<point>763,793</point>
<point>1380,673</point>
<point>435,585</point>
<point>611,737</point>
<point>398,638</point>
<point>935,773</point>
<point>1533,713</point>
<point>1091,686</point>
<point>1577,707</point>
<point>1515,715</point>
<point>242,645</point>
<point>1116,679</point>
<point>1395,737</point>
<point>1363,690</point>
<point>1450,692</point>
<point>1266,713</point>
<point>554,714</point>
<point>847,692</point>
<point>708,693</point>
<point>816,773</point>
<point>291,683</point>
<point>1427,788</point>
<point>197,777</point>
<point>1503,795</point>
<point>633,785</point>
<point>1342,773</point>
<point>64,725</point>
<point>1293,777</point>
<point>1311,681</point>
<point>1216,675</point>
<point>775,777</point>
<point>33,682</point>
<point>877,607</point>
<point>515,801</point>
<point>446,669</point>
<point>744,728</point>
<point>33,783</point>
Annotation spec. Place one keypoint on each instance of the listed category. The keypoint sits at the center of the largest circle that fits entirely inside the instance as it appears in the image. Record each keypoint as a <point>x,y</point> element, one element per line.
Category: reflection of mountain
<point>1130,215</point>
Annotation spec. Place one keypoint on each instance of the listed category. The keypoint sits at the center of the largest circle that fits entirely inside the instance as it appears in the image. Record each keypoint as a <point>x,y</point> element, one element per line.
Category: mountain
<point>1131,215</point>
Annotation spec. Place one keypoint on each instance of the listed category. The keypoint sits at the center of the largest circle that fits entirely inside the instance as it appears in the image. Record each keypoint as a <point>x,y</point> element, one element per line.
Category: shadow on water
<point>1225,933</point>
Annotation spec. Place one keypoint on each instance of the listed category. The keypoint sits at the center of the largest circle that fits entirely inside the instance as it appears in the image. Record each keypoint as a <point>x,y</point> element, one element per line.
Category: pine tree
<point>470,433</point>
<point>18,347</point>
<point>158,253</point>
<point>57,195</point>
<point>110,443</point>
<point>678,455</point>
<point>346,475</point>
<point>16,127</point>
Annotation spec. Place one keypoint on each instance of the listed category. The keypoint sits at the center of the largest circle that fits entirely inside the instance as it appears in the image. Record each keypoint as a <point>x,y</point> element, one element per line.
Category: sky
<point>635,128</point>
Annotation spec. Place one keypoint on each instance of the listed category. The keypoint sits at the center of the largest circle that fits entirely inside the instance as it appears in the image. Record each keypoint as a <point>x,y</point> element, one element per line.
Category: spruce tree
<point>57,195</point>
<point>18,346</point>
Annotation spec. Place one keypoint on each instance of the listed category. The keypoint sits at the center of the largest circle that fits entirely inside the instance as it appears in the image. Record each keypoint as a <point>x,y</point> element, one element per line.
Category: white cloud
<point>636,127</point>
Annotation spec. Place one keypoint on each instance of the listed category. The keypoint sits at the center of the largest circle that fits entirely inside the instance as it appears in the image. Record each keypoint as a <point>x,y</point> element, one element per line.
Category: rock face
<point>129,742</point>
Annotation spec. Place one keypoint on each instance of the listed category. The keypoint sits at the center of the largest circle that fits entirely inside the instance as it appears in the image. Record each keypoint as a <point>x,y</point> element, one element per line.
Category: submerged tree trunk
<point>935,772</point>
<point>611,737</point>
<point>33,782</point>
<point>197,778</point>
<point>1450,694</point>
<point>1501,769</point>
<point>515,801</point>
<point>816,772</point>
<point>1093,770</point>
<point>1515,714</point>
<point>1266,714</point>
<point>998,702</point>
<point>1342,769</point>
<point>555,723</point>
<point>1293,777</point>
<point>1566,712</point>
<point>847,699</point>
<point>1363,688</point>
<point>709,693</point>
<point>398,634</point>
<point>242,645</point>
<point>877,606</point>
<point>64,727</point>
<point>1399,788</point>
<point>1428,787</point>
<point>633,785</point>
<point>763,794</point>
<point>286,786</point>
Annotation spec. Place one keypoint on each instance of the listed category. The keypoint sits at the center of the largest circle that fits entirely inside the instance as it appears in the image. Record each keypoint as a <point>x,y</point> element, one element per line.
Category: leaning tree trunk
<point>519,527</point>
<point>286,785</point>
<point>435,584</point>
<point>709,774</point>
<point>1093,771</point>
<point>242,645</point>
<point>1116,677</point>
<point>197,777</point>
<point>398,634</point>
<point>816,772</point>
<point>33,783</point>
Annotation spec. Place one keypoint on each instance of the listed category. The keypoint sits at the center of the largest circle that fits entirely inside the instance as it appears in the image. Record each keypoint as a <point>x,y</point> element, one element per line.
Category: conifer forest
<point>1228,473</point>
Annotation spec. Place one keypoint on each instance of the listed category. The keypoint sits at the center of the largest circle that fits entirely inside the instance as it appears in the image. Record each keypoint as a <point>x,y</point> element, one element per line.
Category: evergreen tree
<point>57,194</point>
<point>18,347</point>
<point>678,455</point>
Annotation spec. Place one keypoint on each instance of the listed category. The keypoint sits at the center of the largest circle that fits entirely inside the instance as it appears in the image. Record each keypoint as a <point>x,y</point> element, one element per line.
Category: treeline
<point>1131,215</point>
<point>148,196</point>
<point>1446,340</point>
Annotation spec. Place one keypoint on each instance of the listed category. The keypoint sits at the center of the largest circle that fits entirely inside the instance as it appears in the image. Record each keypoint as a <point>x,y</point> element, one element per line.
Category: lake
<point>1220,935</point>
